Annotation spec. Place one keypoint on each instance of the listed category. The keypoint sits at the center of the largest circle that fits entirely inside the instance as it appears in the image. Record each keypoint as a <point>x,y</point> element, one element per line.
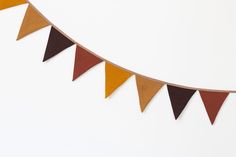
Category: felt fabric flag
<point>213,102</point>
<point>10,3</point>
<point>147,89</point>
<point>84,61</point>
<point>115,77</point>
<point>32,22</point>
<point>57,42</point>
<point>179,98</point>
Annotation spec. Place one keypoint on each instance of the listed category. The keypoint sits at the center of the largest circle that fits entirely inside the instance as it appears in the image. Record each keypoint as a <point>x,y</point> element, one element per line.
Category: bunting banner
<point>115,75</point>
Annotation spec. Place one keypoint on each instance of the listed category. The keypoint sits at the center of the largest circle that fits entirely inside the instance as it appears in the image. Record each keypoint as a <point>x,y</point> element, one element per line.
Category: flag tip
<point>45,59</point>
<point>106,96</point>
<point>142,109</point>
<point>18,38</point>
<point>212,122</point>
<point>176,117</point>
<point>73,79</point>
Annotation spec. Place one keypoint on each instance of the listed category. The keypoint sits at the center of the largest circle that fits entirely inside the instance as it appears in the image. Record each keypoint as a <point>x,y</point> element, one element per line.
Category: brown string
<point>149,78</point>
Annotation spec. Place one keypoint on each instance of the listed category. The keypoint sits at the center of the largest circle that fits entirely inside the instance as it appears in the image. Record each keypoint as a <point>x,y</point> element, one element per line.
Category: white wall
<point>44,113</point>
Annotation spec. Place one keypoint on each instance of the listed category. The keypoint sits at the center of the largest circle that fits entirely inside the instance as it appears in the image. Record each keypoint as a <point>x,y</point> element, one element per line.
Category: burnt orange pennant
<point>213,102</point>
<point>4,4</point>
<point>147,89</point>
<point>115,77</point>
<point>32,22</point>
<point>84,61</point>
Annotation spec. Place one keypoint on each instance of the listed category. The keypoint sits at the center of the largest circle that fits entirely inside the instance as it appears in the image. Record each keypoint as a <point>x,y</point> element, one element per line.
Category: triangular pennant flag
<point>32,22</point>
<point>10,3</point>
<point>146,90</point>
<point>84,61</point>
<point>57,42</point>
<point>213,102</point>
<point>179,98</point>
<point>115,77</point>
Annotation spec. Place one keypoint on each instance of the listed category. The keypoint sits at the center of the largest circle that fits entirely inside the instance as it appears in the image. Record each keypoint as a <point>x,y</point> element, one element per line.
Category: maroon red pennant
<point>57,42</point>
<point>84,61</point>
<point>179,98</point>
<point>213,102</point>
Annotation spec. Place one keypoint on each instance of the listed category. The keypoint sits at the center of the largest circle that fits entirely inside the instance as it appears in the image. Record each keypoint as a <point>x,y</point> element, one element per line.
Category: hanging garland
<point>115,75</point>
